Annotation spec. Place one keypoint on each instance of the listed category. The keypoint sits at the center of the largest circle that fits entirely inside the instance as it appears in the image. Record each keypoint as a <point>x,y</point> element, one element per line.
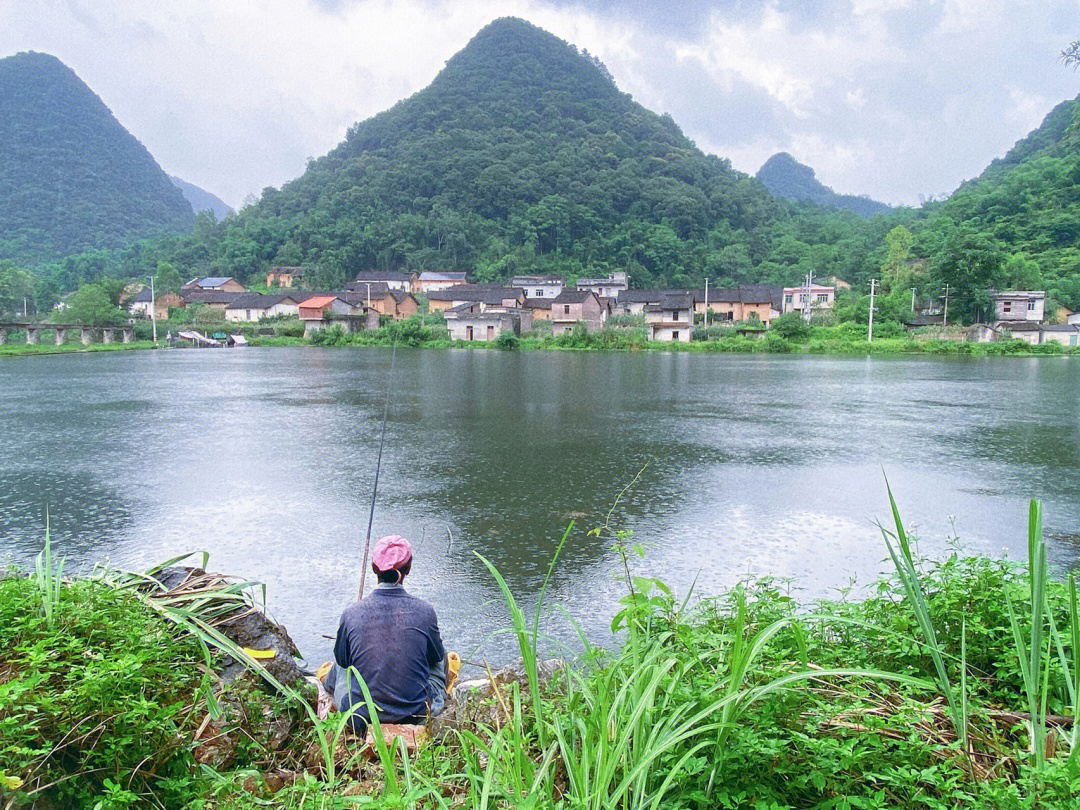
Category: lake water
<point>755,465</point>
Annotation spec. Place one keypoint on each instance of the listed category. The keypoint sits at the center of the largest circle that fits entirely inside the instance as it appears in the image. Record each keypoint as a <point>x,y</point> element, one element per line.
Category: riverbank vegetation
<point>952,684</point>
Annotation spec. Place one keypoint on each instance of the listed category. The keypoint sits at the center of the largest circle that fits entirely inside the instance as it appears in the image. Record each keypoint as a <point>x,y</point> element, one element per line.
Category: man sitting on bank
<point>392,639</point>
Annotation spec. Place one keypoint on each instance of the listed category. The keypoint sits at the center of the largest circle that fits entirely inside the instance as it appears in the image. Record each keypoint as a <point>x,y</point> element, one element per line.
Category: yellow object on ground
<point>454,665</point>
<point>260,654</point>
<point>10,782</point>
<point>324,670</point>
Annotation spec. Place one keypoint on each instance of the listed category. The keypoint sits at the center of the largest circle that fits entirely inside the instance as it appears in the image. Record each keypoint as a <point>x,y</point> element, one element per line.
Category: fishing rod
<point>378,466</point>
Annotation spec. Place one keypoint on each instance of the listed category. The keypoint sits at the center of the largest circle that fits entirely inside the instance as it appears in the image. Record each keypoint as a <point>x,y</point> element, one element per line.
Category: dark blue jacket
<point>392,638</point>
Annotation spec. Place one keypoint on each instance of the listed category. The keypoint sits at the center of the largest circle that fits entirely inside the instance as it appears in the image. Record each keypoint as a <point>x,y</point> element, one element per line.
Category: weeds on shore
<point>953,684</point>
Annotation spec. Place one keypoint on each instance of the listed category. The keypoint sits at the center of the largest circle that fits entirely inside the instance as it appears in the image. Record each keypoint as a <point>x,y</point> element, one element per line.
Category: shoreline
<point>895,347</point>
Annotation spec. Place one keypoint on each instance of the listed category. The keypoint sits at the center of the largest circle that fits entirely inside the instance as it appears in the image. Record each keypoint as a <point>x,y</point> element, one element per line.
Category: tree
<point>898,244</point>
<point>971,265</point>
<point>90,305</point>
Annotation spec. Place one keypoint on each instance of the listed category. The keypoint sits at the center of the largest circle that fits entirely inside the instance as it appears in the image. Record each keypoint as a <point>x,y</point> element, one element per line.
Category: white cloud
<point>888,97</point>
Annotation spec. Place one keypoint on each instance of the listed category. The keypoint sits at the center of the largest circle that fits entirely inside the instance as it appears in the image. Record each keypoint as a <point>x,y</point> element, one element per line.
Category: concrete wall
<point>1021,308</point>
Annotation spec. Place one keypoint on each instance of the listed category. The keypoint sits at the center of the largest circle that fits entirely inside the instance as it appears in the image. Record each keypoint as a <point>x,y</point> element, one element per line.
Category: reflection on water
<point>756,465</point>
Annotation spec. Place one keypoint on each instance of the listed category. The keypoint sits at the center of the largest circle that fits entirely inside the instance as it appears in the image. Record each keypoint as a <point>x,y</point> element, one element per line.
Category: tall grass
<point>48,576</point>
<point>1037,643</point>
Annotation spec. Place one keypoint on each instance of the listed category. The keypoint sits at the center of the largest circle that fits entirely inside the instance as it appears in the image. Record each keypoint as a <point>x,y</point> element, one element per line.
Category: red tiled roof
<point>318,302</point>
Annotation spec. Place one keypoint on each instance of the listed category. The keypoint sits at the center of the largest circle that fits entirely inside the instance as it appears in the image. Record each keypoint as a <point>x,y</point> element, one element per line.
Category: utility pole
<point>912,299</point>
<point>945,317</point>
<point>807,307</point>
<point>870,321</point>
<point>24,306</point>
<point>706,302</point>
<point>153,308</point>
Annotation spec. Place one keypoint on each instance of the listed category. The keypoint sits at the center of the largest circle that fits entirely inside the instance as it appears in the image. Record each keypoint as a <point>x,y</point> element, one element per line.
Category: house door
<point>675,335</point>
<point>468,333</point>
<point>491,333</point>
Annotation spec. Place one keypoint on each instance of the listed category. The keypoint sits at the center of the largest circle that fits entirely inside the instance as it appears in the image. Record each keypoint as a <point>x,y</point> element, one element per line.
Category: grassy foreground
<point>952,685</point>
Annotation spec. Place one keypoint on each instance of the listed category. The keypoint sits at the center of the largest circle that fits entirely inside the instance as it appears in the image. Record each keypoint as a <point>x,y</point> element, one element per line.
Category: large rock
<point>247,628</point>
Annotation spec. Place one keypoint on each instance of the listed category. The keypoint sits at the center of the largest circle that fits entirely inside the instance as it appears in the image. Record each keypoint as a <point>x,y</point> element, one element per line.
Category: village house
<point>1020,305</point>
<point>212,299</point>
<point>383,299</point>
<point>671,319</point>
<point>542,286</point>
<point>633,302</point>
<point>1037,333</point>
<point>139,304</point>
<point>608,287</point>
<point>252,306</point>
<point>739,304</point>
<point>574,306</point>
<point>285,277</point>
<point>494,295</point>
<point>394,279</point>
<point>322,311</point>
<point>474,321</point>
<point>215,284</point>
<point>798,299</point>
<point>431,281</point>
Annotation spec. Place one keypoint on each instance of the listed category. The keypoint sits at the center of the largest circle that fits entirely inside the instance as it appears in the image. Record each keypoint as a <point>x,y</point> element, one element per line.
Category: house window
<point>247,314</point>
<point>823,298</point>
<point>675,335</point>
<point>789,298</point>
<point>1031,306</point>
<point>1006,307</point>
<point>566,309</point>
<point>539,293</point>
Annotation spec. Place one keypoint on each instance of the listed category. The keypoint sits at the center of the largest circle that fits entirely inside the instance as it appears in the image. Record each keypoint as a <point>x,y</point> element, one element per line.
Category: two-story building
<point>607,287</point>
<point>573,306</point>
<point>1020,305</point>
<point>740,304</point>
<point>671,319</point>
<point>800,299</point>
<point>540,286</point>
<point>383,299</point>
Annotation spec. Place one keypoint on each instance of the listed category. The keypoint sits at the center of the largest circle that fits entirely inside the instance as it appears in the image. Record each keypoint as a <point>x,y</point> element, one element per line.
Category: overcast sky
<point>891,98</point>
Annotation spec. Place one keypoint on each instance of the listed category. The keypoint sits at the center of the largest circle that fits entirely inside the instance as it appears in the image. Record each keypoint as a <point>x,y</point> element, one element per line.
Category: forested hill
<point>521,154</point>
<point>788,179</point>
<point>1023,212</point>
<point>71,177</point>
<point>202,200</point>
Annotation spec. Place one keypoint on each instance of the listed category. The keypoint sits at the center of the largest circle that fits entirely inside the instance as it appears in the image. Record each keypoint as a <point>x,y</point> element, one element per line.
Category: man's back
<point>392,638</point>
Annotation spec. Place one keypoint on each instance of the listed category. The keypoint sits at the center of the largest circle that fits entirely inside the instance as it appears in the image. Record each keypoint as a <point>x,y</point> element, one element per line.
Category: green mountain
<point>788,179</point>
<point>1022,212</point>
<point>201,199</point>
<point>71,177</point>
<point>522,154</point>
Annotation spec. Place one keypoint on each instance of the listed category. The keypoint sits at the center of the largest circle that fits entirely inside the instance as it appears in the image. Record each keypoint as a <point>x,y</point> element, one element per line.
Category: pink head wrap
<point>391,553</point>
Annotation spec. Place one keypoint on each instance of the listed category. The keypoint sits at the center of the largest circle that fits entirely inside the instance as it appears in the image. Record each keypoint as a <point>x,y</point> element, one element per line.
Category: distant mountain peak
<point>201,199</point>
<point>788,179</point>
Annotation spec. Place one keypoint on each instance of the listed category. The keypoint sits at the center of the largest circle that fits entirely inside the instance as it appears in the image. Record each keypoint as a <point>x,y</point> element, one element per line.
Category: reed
<point>48,576</point>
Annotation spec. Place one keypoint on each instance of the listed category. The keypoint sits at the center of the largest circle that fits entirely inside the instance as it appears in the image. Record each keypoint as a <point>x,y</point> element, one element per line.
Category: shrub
<point>507,341</point>
<point>103,691</point>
